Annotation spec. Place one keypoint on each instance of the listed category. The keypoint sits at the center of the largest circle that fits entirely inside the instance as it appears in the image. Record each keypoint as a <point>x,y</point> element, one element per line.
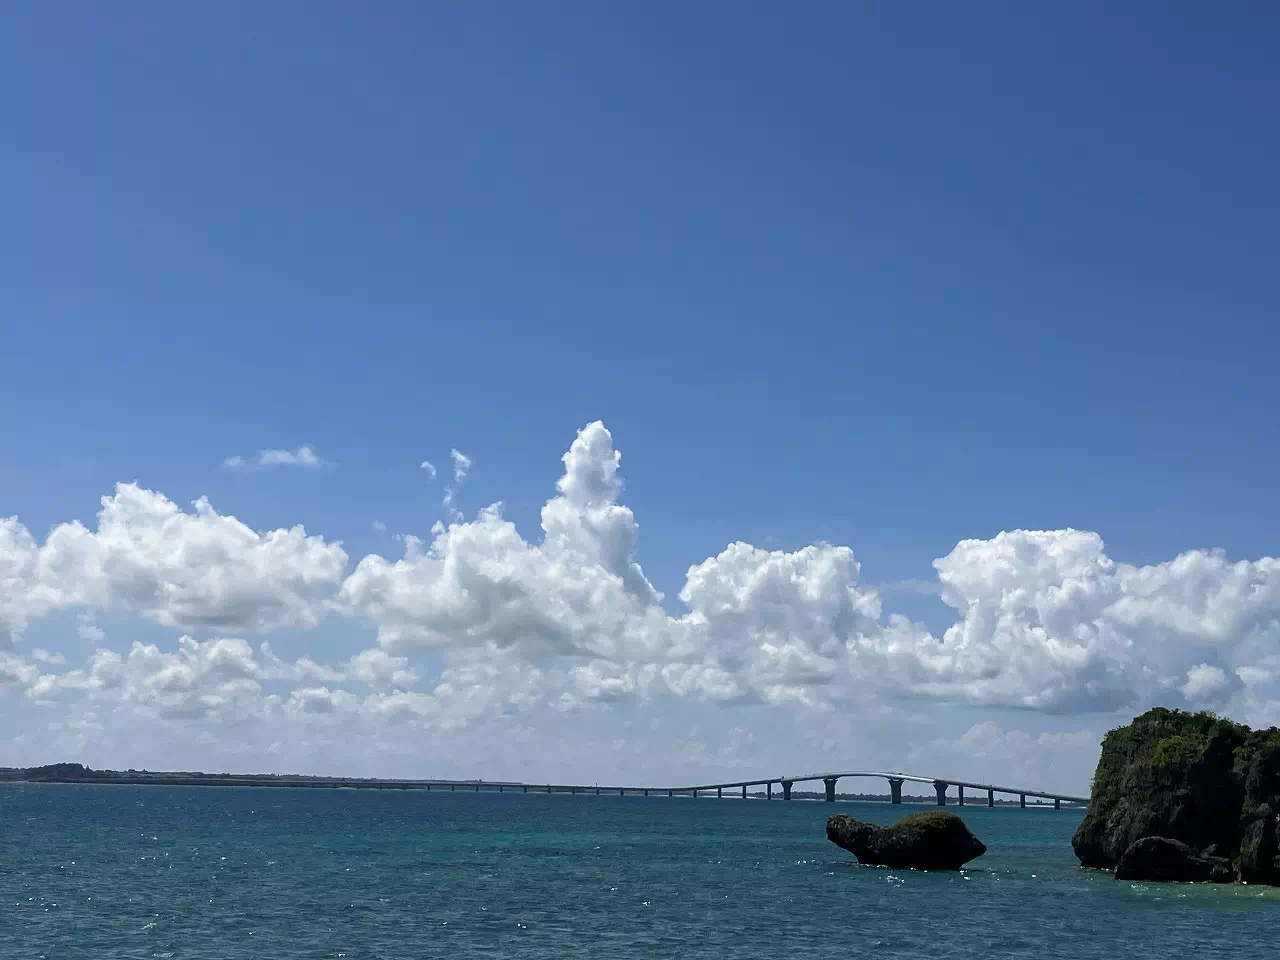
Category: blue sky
<point>829,273</point>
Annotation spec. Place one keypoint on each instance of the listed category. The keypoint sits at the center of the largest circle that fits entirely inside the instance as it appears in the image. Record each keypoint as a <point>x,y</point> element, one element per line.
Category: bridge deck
<point>513,785</point>
<point>906,777</point>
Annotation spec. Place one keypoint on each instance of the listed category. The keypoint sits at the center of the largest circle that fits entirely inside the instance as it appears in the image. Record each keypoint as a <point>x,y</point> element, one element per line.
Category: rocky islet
<point>930,840</point>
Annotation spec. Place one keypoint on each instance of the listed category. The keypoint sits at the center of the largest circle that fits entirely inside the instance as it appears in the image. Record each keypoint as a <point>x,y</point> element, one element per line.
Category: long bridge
<point>895,780</point>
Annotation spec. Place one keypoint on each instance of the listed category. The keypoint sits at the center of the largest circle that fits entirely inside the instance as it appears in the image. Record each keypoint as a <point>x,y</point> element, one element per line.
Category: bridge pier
<point>453,787</point>
<point>477,788</point>
<point>960,792</point>
<point>671,793</point>
<point>646,793</point>
<point>524,789</point>
<point>1022,800</point>
<point>695,794</point>
<point>622,793</point>
<point>768,790</point>
<point>597,791</point>
<point>895,790</point>
<point>573,790</point>
<point>991,798</point>
<point>744,791</point>
<point>786,789</point>
<point>830,784</point>
<point>1057,804</point>
<point>941,789</point>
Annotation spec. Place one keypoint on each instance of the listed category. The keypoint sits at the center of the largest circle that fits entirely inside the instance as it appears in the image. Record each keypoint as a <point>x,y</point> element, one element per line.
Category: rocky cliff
<point>1209,785</point>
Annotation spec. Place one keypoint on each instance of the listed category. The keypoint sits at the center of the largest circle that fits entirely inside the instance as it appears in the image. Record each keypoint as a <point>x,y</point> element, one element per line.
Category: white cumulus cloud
<point>481,585</point>
<point>378,669</point>
<point>1203,682</point>
<point>1048,620</point>
<point>190,570</point>
<point>517,627</point>
<point>217,679</point>
<point>1045,619</point>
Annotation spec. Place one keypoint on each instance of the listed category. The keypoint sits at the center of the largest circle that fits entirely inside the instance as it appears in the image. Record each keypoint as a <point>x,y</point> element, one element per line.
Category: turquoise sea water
<point>173,872</point>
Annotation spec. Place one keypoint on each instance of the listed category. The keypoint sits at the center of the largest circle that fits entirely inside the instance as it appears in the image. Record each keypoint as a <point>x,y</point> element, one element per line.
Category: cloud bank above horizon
<point>488,643</point>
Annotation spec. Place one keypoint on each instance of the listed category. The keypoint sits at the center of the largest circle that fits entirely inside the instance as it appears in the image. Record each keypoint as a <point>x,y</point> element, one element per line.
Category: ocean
<point>205,873</point>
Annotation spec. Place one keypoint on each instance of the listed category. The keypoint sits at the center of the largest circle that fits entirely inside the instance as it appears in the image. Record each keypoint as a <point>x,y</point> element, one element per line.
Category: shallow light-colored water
<point>185,872</point>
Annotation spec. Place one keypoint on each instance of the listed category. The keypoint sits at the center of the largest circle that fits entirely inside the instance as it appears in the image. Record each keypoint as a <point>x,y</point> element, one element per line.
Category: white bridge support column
<point>895,790</point>
<point>941,788</point>
<point>830,784</point>
<point>786,789</point>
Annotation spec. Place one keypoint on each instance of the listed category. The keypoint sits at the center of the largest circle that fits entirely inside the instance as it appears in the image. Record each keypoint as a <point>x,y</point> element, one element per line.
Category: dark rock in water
<point>1194,779</point>
<point>932,840</point>
<point>1159,858</point>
